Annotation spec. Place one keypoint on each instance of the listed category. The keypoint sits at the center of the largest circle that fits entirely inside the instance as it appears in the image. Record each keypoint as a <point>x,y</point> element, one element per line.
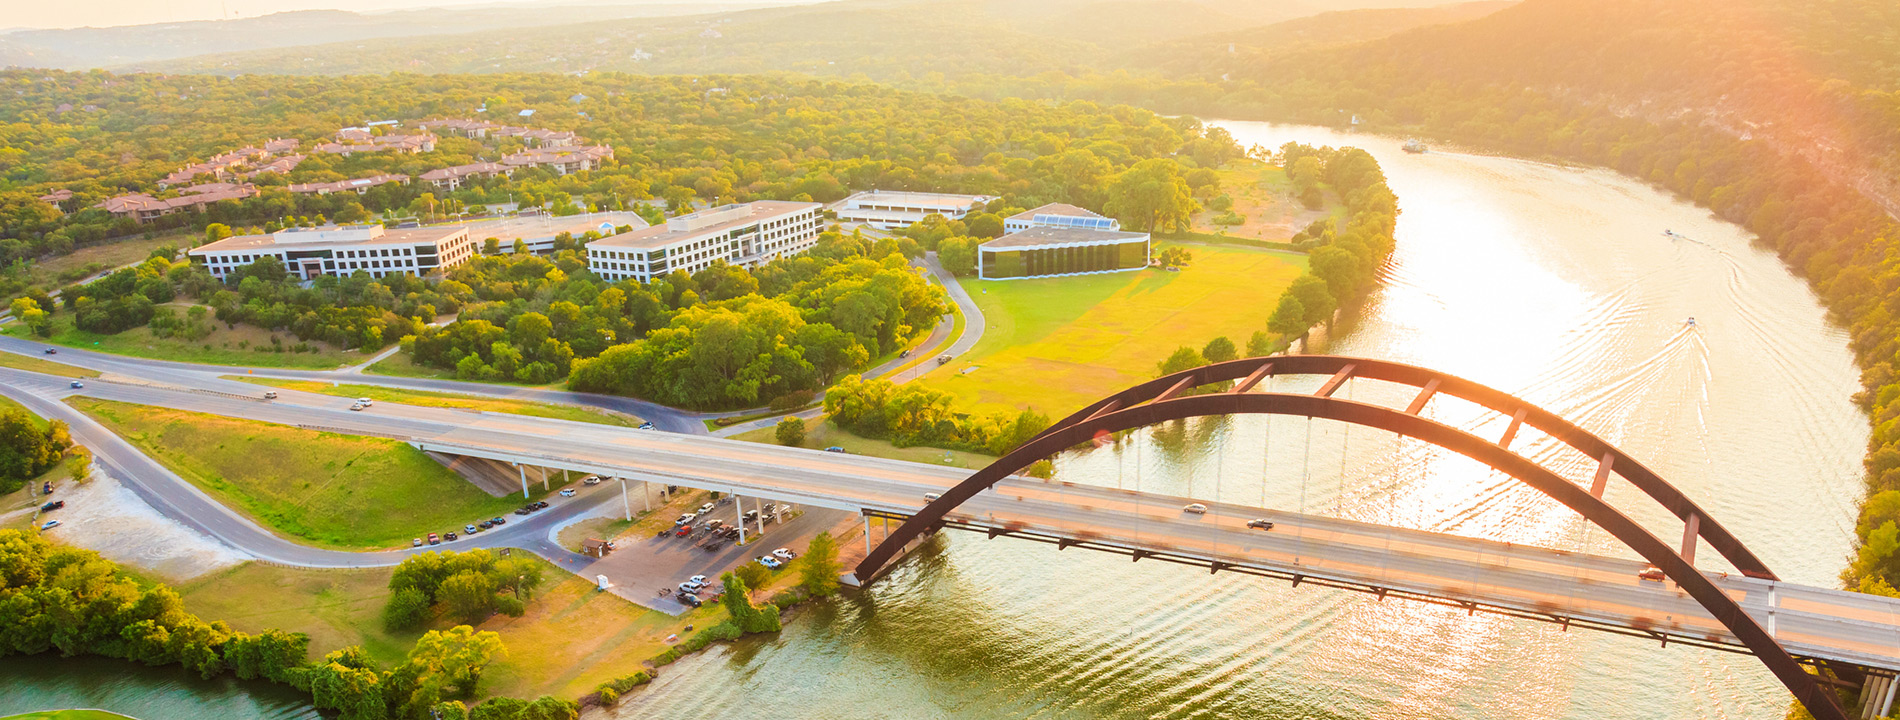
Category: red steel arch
<point>1163,399</point>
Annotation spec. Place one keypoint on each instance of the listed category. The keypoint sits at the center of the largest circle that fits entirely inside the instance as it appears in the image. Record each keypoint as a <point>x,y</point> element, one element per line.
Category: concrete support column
<point>544,479</point>
<point>624,505</point>
<point>760,505</point>
<point>738,516</point>
<point>1886,702</point>
<point>524,479</point>
<point>646,494</point>
<point>867,534</point>
<point>1873,692</point>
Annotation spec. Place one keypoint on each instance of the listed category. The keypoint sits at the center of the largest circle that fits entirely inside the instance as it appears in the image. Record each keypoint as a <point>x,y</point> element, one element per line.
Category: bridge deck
<point>1811,622</point>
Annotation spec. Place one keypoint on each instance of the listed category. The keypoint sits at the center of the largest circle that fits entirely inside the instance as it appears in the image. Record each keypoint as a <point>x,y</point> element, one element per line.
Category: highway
<point>1812,622</point>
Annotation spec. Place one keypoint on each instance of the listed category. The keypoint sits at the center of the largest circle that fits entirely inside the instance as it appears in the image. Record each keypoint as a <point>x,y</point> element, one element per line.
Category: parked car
<point>1651,573</point>
<point>499,521</point>
<point>470,529</point>
<point>683,531</point>
<point>52,351</point>
<point>688,517</point>
<point>415,542</point>
<point>51,506</point>
<point>1196,508</point>
<point>483,525</point>
<point>835,449</point>
<point>591,480</point>
<point>522,511</point>
<point>270,394</point>
<point>784,553</point>
<point>449,537</point>
<point>77,384</point>
<point>690,588</point>
<point>1260,524</point>
<point>712,545</point>
<point>706,508</point>
<point>731,532</point>
<point>434,539</point>
<point>567,492</point>
<point>538,505</point>
<point>690,599</point>
<point>701,579</point>
<point>50,524</point>
<point>646,426</point>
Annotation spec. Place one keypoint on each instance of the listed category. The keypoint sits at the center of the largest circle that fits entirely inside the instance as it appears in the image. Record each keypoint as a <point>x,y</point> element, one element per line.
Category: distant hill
<point>880,39</point>
<point>1211,55</point>
<point>81,48</point>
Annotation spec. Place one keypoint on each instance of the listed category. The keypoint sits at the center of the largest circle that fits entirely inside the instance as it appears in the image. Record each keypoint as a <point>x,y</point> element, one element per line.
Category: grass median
<point>428,398</point>
<point>44,366</point>
<point>326,489</point>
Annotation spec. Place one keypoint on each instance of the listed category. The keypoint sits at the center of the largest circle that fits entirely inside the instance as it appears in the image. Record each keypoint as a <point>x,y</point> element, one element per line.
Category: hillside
<point>881,39</point>
<point>1210,54</point>
<point>88,47</point>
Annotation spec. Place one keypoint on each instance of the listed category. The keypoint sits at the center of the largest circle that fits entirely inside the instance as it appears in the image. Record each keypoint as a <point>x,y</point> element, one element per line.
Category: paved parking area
<point>642,566</point>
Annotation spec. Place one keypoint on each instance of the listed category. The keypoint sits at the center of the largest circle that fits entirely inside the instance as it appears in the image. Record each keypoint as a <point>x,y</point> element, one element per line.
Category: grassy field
<point>573,637</point>
<point>820,434</point>
<point>330,490</point>
<point>1265,196</point>
<point>235,346</point>
<point>68,715</point>
<point>95,258</point>
<point>47,367</point>
<point>451,400</point>
<point>1057,344</point>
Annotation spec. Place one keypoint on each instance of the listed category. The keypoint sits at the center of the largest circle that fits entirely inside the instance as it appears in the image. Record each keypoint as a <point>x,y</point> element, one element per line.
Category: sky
<point>101,13</point>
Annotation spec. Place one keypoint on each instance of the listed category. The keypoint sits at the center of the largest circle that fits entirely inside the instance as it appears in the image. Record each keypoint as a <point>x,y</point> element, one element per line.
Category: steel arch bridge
<point>1168,398</point>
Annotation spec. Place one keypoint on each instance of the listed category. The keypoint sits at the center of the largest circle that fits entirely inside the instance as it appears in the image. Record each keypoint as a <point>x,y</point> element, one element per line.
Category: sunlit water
<point>1556,284</point>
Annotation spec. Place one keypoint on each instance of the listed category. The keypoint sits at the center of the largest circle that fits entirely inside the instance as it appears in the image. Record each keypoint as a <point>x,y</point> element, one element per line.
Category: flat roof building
<point>538,231</point>
<point>310,252</point>
<point>886,210</point>
<point>1059,215</point>
<point>747,235</point>
<point>1053,251</point>
<point>357,185</point>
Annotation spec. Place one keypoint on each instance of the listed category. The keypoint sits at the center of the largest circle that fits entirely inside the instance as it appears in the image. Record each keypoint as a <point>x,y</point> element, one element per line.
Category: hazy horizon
<point>116,13</point>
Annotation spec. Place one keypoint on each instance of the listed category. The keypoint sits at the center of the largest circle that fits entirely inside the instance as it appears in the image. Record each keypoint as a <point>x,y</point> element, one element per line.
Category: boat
<point>1414,146</point>
<point>1691,322</point>
<point>1672,233</point>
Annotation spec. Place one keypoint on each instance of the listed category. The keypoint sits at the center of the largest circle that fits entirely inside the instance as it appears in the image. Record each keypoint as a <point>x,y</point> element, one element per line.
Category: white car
<point>932,496</point>
<point>688,517</point>
<point>50,524</point>
<point>784,553</point>
<point>706,508</point>
<point>591,480</point>
<point>567,492</point>
<point>1196,508</point>
<point>770,562</point>
<point>700,579</point>
<point>365,402</point>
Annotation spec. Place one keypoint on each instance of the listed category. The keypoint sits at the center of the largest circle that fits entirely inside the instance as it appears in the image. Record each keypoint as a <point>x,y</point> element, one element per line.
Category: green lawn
<point>1057,344</point>
<point>451,400</point>
<point>820,434</point>
<point>572,638</point>
<point>330,490</point>
<point>47,367</point>
<point>69,715</point>
<point>235,346</point>
<point>105,256</point>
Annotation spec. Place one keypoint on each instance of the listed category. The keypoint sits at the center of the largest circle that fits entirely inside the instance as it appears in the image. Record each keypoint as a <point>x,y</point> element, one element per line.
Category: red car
<point>683,531</point>
<point>1651,573</point>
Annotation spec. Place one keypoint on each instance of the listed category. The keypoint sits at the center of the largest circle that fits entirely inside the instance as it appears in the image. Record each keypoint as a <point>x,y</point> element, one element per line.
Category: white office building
<point>747,235</point>
<point>1059,215</point>
<point>308,253</point>
<point>538,231</point>
<point>892,210</point>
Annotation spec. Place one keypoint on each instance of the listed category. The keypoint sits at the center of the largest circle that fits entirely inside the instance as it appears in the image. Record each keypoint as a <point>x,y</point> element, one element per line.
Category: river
<point>1553,283</point>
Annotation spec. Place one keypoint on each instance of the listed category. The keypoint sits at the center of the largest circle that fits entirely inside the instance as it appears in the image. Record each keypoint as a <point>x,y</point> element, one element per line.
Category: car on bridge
<point>835,449</point>
<point>932,496</point>
<point>356,406</point>
<point>1651,573</point>
<point>1196,508</point>
<point>646,426</point>
<point>1260,524</point>
<point>270,394</point>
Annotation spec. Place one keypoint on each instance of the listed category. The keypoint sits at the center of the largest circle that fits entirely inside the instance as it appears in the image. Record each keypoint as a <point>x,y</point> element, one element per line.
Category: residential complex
<point>537,137</point>
<point>356,140</point>
<point>1059,215</point>
<point>748,235</point>
<point>145,208</point>
<point>358,185</point>
<point>563,161</point>
<point>1051,251</point>
<point>538,231</point>
<point>309,253</point>
<point>892,210</point>
<point>451,178</point>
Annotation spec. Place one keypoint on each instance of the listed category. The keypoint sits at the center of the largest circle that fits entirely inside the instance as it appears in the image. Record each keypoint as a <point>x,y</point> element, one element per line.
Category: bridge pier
<point>523,469</point>
<point>1877,695</point>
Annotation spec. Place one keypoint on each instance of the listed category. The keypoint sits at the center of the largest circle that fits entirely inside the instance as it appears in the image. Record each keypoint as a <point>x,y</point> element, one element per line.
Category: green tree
<point>470,595</point>
<point>958,255</point>
<point>819,574</point>
<point>984,225</point>
<point>1220,350</point>
<point>1151,196</point>
<point>407,609</point>
<point>454,657</point>
<point>1260,344</point>
<point>216,231</point>
<point>1315,299</point>
<point>1183,359</point>
<point>1289,317</point>
<point>753,575</point>
<point>790,432</point>
<point>748,617</point>
<point>491,246</point>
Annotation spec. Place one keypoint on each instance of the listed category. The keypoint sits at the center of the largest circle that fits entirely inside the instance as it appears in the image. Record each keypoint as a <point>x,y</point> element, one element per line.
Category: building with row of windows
<point>1055,240</point>
<point>538,232</point>
<point>886,210</point>
<point>746,235</point>
<point>311,252</point>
